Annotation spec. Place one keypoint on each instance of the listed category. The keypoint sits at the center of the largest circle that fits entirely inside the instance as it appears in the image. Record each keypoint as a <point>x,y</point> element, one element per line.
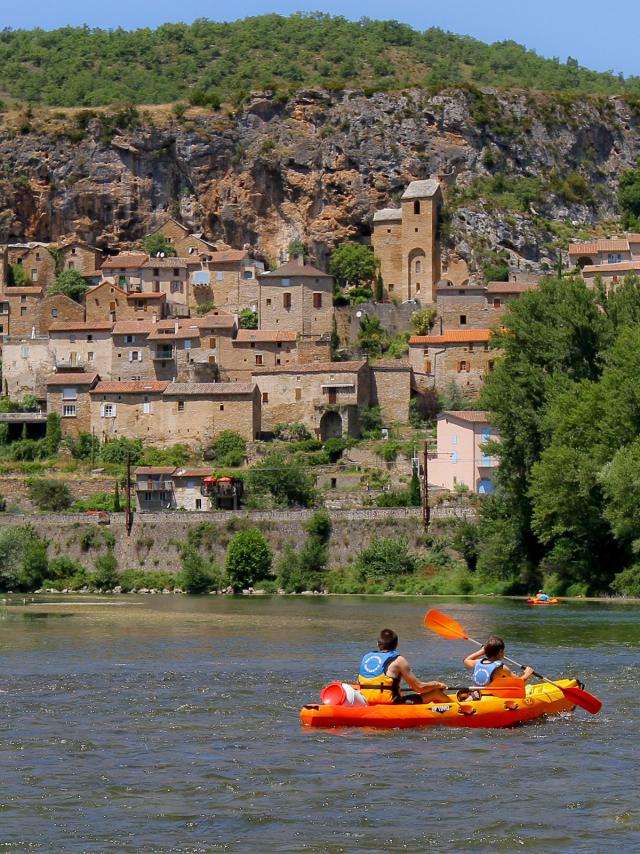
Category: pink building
<point>461,458</point>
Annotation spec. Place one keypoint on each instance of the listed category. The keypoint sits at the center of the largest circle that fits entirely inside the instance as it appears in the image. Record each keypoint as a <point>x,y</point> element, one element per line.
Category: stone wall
<point>154,542</point>
<point>393,318</point>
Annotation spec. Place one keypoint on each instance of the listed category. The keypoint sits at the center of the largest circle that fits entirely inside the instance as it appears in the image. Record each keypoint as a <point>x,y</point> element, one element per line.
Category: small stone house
<point>57,308</point>
<point>260,348</point>
<point>391,389</point>
<point>125,270</point>
<point>297,297</point>
<point>324,396</point>
<point>79,256</point>
<point>172,230</point>
<point>459,356</point>
<point>81,345</point>
<point>19,308</point>
<point>36,260</point>
<point>68,395</point>
<point>27,361</point>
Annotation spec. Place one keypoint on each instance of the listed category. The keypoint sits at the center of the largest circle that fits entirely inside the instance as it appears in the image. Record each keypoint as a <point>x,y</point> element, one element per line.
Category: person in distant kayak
<point>488,666</point>
<point>381,673</point>
<point>542,597</point>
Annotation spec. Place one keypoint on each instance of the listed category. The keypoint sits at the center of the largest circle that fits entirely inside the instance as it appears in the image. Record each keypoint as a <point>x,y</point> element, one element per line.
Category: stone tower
<point>405,241</point>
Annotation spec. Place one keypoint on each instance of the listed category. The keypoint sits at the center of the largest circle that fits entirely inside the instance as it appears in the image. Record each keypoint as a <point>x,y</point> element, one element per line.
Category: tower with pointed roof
<point>405,242</point>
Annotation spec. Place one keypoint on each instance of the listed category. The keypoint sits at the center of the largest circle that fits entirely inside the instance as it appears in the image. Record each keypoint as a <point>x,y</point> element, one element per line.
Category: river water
<point>170,724</point>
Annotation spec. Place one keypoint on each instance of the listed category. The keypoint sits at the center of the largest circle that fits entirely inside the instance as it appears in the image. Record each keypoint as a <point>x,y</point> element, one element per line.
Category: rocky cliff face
<point>317,167</point>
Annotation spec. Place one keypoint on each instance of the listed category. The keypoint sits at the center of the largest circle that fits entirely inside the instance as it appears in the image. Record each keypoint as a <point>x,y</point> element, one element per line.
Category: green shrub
<point>229,449</point>
<point>99,501</point>
<point>106,575</point>
<point>197,574</point>
<point>158,243</point>
<point>174,455</point>
<point>71,284</point>
<point>627,582</point>
<point>23,558</point>
<point>63,567</point>
<point>84,447</point>
<point>248,319</point>
<point>118,450</point>
<point>135,579</point>
<point>291,432</point>
<point>52,495</point>
<point>370,421</point>
<point>248,559</point>
<point>384,559</point>
<point>287,480</point>
<point>90,538</point>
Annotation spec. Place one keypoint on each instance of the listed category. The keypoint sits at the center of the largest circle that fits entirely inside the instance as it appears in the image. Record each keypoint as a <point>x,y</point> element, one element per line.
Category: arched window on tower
<point>416,208</point>
<point>418,266</point>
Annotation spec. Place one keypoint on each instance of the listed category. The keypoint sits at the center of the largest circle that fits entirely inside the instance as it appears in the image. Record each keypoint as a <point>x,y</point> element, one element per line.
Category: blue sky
<point>578,28</point>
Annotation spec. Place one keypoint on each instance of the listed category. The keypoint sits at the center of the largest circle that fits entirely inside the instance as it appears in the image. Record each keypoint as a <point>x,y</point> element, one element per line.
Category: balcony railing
<point>162,355</point>
<point>154,486</point>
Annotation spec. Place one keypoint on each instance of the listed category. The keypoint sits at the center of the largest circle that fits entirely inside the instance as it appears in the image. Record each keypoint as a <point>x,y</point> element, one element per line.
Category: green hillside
<point>206,61</point>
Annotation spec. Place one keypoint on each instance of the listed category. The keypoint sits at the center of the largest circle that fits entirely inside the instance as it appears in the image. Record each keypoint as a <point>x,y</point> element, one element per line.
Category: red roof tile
<point>125,260</point>
<point>292,268</point>
<point>135,387</point>
<point>615,244</point>
<point>475,416</point>
<point>454,336</point>
<point>132,327</point>
<point>313,368</point>
<point>620,267</point>
<point>81,326</point>
<point>145,295</point>
<point>71,379</point>
<point>154,470</point>
<point>226,256</point>
<point>511,287</point>
<point>11,290</point>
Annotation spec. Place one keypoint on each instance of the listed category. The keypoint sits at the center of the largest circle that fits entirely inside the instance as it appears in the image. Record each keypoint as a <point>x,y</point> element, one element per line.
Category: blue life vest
<point>373,681</point>
<point>542,597</point>
<point>483,671</point>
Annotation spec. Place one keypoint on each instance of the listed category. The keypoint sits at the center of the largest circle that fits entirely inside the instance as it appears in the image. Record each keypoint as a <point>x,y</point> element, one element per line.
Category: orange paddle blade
<point>444,626</point>
<point>583,699</point>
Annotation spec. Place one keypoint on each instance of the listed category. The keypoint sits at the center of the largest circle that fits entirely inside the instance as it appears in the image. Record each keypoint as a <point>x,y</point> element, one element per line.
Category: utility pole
<point>127,513</point>
<point>426,510</point>
<point>93,446</point>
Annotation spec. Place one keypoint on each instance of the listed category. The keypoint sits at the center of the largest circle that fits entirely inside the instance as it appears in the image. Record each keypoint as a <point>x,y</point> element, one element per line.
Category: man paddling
<point>382,671</point>
<point>488,666</point>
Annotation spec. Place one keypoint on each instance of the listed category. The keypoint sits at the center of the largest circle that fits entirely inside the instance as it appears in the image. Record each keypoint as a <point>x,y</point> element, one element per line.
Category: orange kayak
<point>489,711</point>
<point>534,601</point>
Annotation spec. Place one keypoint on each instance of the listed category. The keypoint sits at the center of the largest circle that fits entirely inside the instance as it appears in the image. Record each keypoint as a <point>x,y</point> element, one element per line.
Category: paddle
<point>447,627</point>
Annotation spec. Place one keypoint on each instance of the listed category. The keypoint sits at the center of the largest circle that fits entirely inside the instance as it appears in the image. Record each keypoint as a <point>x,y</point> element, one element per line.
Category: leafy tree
<point>71,284</point>
<point>53,435</point>
<point>34,563</point>
<point>118,450</point>
<point>373,339</point>
<point>248,560</point>
<point>248,319</point>
<point>229,449</point>
<point>174,455</point>
<point>116,498</point>
<point>85,447</point>
<point>29,403</point>
<point>158,244</point>
<point>422,320</point>
<point>384,559</point>
<point>18,276</point>
<point>353,264</point>
<point>287,480</point>
<point>53,495</point>
<point>296,248</point>
<point>415,493</point>
<point>106,571</point>
<point>370,418</point>
<point>197,574</point>
<point>21,551</point>
<point>629,198</point>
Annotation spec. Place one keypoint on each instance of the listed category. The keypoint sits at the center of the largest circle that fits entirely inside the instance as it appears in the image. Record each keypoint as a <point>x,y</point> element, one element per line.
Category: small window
<point>89,337</point>
<point>317,300</point>
<point>129,339</point>
<point>198,503</point>
<point>497,302</point>
<point>265,397</point>
<point>454,456</point>
<point>417,287</point>
<point>470,348</point>
<point>418,266</point>
<point>134,356</point>
<point>54,312</point>
<point>108,410</point>
<point>72,265</point>
<point>259,359</point>
<point>156,271</point>
<point>24,352</point>
<point>286,301</point>
<point>187,344</point>
<point>463,320</point>
<point>23,311</point>
<point>489,366</point>
<point>248,274</point>
<point>146,408</point>
<point>219,276</point>
<point>23,300</point>
<point>69,410</point>
<point>148,496</point>
<point>69,393</point>
<point>427,366</point>
<point>181,406</point>
<point>176,287</point>
<point>34,275</point>
<point>268,302</point>
<point>213,343</point>
<point>286,283</point>
<point>416,208</point>
<point>222,407</point>
<point>90,356</point>
<point>298,393</point>
<point>176,271</point>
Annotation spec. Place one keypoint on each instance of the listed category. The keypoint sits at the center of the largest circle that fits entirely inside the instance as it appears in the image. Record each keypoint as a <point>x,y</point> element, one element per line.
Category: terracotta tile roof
<point>169,219</point>
<point>12,291</point>
<point>72,379</point>
<point>81,326</point>
<point>632,237</point>
<point>615,244</point>
<point>511,287</point>
<point>314,368</point>
<point>213,321</point>
<point>292,268</point>
<point>132,327</point>
<point>422,189</point>
<point>145,295</point>
<point>454,336</point>
<point>209,389</point>
<point>181,335</point>
<point>475,416</point>
<point>135,387</point>
<point>620,267</point>
<point>227,256</point>
<point>125,260</point>
<point>246,336</point>
<point>201,472</point>
<point>168,262</point>
<point>154,470</point>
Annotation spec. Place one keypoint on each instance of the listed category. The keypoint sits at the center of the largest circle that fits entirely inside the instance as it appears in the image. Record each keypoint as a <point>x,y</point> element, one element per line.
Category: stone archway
<point>331,426</point>
<point>418,275</point>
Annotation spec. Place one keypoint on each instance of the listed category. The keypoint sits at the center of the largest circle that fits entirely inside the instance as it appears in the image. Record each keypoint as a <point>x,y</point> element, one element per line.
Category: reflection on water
<point>170,724</point>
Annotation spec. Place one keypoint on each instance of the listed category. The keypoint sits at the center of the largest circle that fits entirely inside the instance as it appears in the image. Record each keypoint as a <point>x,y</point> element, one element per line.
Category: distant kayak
<point>491,712</point>
<point>535,601</point>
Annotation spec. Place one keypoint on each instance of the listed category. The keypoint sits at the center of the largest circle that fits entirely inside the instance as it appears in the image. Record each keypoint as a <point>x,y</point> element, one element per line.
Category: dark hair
<point>493,647</point>
<point>387,640</point>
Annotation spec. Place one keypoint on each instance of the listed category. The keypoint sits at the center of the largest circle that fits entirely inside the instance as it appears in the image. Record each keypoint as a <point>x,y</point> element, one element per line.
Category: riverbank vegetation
<point>206,62</point>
